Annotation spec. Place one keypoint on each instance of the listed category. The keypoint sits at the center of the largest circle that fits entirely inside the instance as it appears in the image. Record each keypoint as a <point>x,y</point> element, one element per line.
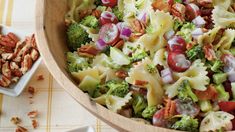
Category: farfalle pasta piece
<point>160,22</point>
<point>223,18</point>
<point>214,121</point>
<point>225,42</point>
<point>208,37</point>
<point>130,9</point>
<point>92,33</point>
<point>113,103</point>
<point>196,75</point>
<point>222,3</point>
<point>140,72</point>
<point>160,58</point>
<point>93,72</point>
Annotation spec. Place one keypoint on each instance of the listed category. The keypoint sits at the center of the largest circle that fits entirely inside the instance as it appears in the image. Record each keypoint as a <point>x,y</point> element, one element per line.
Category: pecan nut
<point>34,124</point>
<point>138,27</point>
<point>6,71</point>
<point>88,50</point>
<point>178,10</point>
<point>21,129</point>
<point>26,64</point>
<point>15,120</point>
<point>5,82</point>
<point>96,13</point>
<point>34,54</point>
<point>121,74</point>
<point>140,82</point>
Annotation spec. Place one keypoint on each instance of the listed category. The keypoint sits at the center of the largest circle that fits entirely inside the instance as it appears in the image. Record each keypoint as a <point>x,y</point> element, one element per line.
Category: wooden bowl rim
<point>115,120</point>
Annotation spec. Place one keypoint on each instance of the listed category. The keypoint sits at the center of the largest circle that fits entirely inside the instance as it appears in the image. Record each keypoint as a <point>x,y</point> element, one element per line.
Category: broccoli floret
<point>149,112</point>
<point>178,1</point>
<point>101,8</point>
<point>195,53</point>
<point>185,91</point>
<point>75,62</point>
<point>77,36</point>
<point>205,105</point>
<point>151,68</point>
<point>217,66</point>
<point>185,31</point>
<point>186,123</point>
<point>177,24</point>
<point>100,90</point>
<point>222,94</point>
<point>117,88</point>
<point>90,21</point>
<point>138,55</point>
<point>139,104</point>
<point>118,13</point>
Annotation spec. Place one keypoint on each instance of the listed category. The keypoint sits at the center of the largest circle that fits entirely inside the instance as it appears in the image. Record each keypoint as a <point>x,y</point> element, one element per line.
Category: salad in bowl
<point>167,63</point>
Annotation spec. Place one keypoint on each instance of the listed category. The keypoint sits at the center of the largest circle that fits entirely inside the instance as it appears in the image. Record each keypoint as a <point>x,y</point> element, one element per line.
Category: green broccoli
<point>177,24</point>
<point>76,36</point>
<point>149,112</point>
<point>195,53</point>
<point>139,103</point>
<point>185,91</point>
<point>217,66</point>
<point>186,123</point>
<point>90,21</point>
<point>151,68</point>
<point>75,62</point>
<point>222,94</point>
<point>205,105</point>
<point>185,31</point>
<point>178,1</point>
<point>101,8</point>
<point>100,90</point>
<point>138,55</point>
<point>118,13</point>
<point>117,88</point>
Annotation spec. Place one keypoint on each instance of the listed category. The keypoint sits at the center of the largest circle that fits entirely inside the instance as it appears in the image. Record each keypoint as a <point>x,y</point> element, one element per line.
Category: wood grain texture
<point>50,35</point>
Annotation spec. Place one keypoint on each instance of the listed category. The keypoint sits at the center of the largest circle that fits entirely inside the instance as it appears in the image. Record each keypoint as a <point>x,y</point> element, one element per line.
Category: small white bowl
<point>17,88</point>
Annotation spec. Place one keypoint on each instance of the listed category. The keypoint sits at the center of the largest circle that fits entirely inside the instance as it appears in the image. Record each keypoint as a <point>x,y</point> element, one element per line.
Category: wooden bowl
<point>50,35</point>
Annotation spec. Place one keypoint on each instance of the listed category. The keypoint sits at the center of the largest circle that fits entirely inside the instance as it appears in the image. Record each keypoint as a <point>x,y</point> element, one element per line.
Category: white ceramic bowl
<point>17,88</point>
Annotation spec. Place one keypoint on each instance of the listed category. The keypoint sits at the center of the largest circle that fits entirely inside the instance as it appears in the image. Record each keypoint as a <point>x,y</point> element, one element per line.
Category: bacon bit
<point>205,3</point>
<point>140,82</point>
<point>34,124</point>
<point>121,74</point>
<point>209,94</point>
<point>40,77</point>
<point>218,36</point>
<point>21,129</point>
<point>15,120</point>
<point>209,52</point>
<point>126,112</point>
<point>96,13</point>
<point>170,109</point>
<point>33,114</point>
<point>31,90</point>
<point>160,5</point>
<point>88,50</point>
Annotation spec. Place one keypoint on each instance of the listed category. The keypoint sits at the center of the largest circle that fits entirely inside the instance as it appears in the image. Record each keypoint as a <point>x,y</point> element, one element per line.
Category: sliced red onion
<point>167,76</point>
<point>194,7</point>
<point>125,33</point>
<point>105,1</point>
<point>108,15</point>
<point>231,76</point>
<point>196,33</point>
<point>176,40</point>
<point>120,25</point>
<point>199,21</point>
<point>100,44</point>
<point>168,35</point>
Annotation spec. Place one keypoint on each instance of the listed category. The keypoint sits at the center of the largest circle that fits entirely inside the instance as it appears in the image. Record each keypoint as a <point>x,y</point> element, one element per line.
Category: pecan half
<point>178,10</point>
<point>34,54</point>
<point>160,5</point>
<point>40,77</point>
<point>7,41</point>
<point>6,71</point>
<point>5,82</point>
<point>31,90</point>
<point>119,44</point>
<point>138,27</point>
<point>7,56</point>
<point>26,64</point>
<point>88,50</point>
<point>209,52</point>
<point>13,37</point>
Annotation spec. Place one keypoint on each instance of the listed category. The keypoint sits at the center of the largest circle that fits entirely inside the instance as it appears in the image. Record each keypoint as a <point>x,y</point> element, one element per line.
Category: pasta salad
<point>168,63</point>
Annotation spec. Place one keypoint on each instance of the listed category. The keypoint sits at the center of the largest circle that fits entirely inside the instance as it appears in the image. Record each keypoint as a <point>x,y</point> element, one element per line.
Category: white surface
<point>16,89</point>
<point>83,129</point>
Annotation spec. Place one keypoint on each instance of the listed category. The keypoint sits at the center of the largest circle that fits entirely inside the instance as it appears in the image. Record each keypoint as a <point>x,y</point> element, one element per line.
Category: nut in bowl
<point>19,59</point>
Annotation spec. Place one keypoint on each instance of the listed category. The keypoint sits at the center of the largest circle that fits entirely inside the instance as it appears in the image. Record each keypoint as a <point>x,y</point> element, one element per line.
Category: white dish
<point>17,88</point>
<point>83,129</point>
